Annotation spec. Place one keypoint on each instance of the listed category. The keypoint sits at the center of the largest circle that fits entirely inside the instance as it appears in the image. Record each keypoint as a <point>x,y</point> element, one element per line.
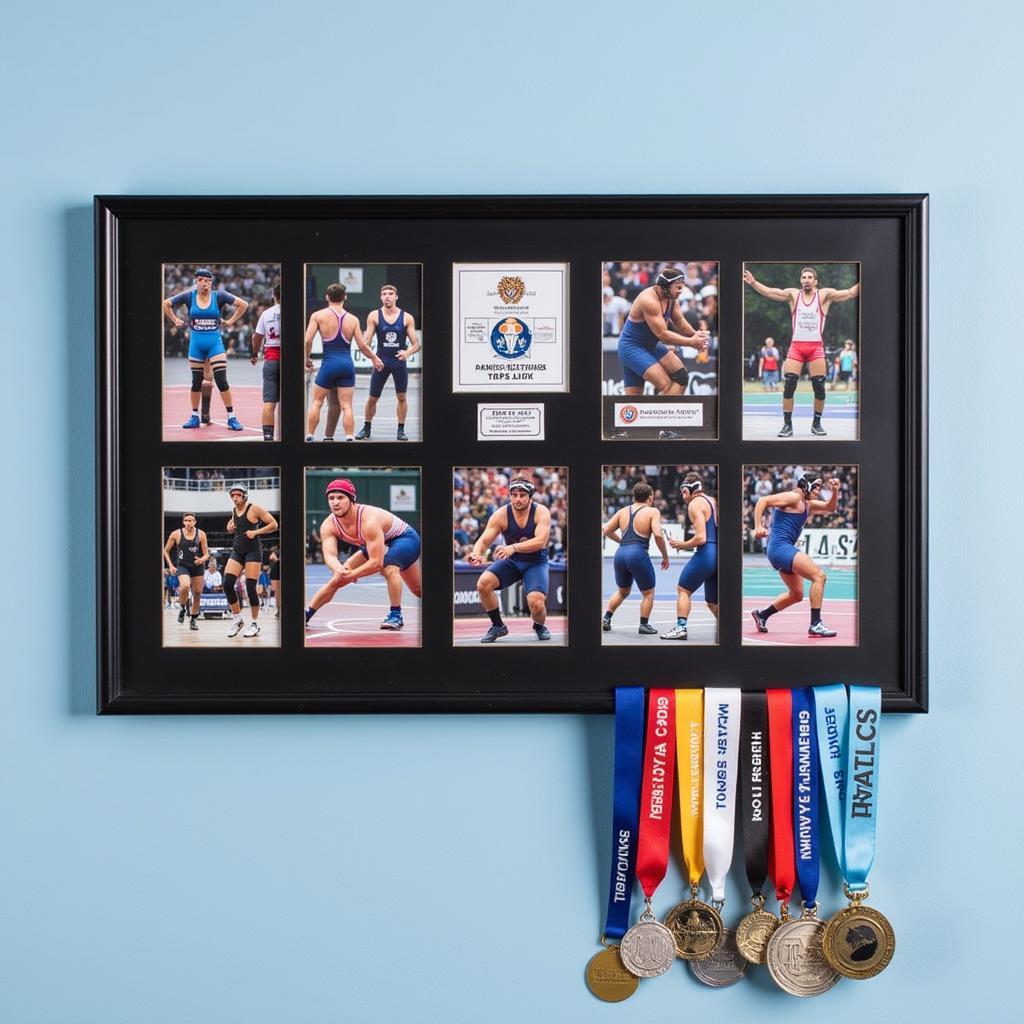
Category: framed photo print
<point>395,456</point>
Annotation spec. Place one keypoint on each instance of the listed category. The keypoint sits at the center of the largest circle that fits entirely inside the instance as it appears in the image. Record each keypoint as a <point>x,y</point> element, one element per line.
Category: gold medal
<point>859,941</point>
<point>754,931</point>
<point>795,959</point>
<point>607,977</point>
<point>696,927</point>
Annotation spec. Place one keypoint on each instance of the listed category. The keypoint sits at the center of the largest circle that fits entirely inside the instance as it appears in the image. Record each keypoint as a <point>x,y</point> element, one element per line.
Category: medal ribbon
<point>780,741</point>
<point>862,784</point>
<point>805,796</point>
<point>832,713</point>
<point>690,745</point>
<point>755,788</point>
<point>629,752</point>
<point>722,728</point>
<point>656,792</point>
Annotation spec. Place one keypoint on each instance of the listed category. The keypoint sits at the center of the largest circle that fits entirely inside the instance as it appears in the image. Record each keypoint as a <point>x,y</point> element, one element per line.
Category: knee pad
<point>220,375</point>
<point>197,381</point>
<point>789,388</point>
<point>254,594</point>
<point>818,383</point>
<point>681,376</point>
<point>230,581</point>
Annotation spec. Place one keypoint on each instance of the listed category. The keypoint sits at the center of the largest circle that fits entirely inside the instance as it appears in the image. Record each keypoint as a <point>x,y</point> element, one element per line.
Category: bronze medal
<point>795,958</point>
<point>859,942</point>
<point>607,977</point>
<point>696,927</point>
<point>754,931</point>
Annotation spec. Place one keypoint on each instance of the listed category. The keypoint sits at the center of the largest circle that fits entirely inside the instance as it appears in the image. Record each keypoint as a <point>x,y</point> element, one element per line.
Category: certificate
<point>510,327</point>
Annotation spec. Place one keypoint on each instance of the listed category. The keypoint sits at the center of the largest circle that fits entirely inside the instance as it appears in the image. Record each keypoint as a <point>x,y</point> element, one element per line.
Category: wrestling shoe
<point>646,629</point>
<point>364,434</point>
<point>192,423</point>
<point>393,620</point>
<point>818,430</point>
<point>253,629</point>
<point>606,625</point>
<point>236,627</point>
<point>542,631</point>
<point>494,633</point>
<point>181,614</point>
<point>668,435</point>
<point>760,621</point>
<point>675,633</point>
<point>786,431</point>
<point>820,629</point>
<point>402,435</point>
<point>233,423</point>
<point>192,624</point>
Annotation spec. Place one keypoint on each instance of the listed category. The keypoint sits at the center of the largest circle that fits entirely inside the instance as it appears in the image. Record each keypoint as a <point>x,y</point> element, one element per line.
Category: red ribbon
<point>656,790</point>
<point>782,854</point>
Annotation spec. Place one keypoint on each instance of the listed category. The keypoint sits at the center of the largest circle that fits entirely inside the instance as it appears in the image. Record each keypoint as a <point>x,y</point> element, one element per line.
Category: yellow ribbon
<point>690,766</point>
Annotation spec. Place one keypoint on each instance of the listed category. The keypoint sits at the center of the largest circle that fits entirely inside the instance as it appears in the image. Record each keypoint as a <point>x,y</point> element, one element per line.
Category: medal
<point>796,959</point>
<point>859,941</point>
<point>754,930</point>
<point>725,966</point>
<point>607,978</point>
<point>696,926</point>
<point>648,949</point>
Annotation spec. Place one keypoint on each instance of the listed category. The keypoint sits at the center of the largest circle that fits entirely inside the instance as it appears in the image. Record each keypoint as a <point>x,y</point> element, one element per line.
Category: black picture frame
<point>135,235</point>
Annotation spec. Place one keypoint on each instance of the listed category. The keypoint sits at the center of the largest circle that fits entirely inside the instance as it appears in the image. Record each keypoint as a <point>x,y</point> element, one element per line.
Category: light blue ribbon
<point>832,713</point>
<point>862,784</point>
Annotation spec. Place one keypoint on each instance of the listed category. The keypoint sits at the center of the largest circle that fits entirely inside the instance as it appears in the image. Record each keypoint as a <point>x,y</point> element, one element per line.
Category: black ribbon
<point>755,788</point>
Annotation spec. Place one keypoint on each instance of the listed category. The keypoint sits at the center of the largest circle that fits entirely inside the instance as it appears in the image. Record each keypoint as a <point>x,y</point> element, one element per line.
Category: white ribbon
<point>721,758</point>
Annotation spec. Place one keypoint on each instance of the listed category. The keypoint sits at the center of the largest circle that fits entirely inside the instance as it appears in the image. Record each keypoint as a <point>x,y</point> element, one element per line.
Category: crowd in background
<point>253,282</point>
<point>478,492</point>
<point>665,480</point>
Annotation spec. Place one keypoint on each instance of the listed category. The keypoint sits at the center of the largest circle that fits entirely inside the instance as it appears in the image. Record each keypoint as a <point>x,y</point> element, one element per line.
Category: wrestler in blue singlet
<point>639,348</point>
<point>532,567</point>
<point>204,337</point>
<point>336,368</point>
<point>632,562</point>
<point>703,566</point>
<point>783,536</point>
<point>392,338</point>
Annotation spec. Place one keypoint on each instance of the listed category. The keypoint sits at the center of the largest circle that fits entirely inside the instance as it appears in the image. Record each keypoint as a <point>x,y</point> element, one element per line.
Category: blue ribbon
<point>629,755</point>
<point>832,714</point>
<point>805,796</point>
<point>862,784</point>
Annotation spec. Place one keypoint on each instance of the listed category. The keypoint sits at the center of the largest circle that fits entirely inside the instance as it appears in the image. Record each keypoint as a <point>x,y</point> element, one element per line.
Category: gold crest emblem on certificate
<point>511,289</point>
<point>608,979</point>
<point>859,942</point>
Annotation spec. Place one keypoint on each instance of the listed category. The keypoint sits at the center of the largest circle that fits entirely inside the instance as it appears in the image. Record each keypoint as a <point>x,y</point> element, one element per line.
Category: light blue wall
<point>155,871</point>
